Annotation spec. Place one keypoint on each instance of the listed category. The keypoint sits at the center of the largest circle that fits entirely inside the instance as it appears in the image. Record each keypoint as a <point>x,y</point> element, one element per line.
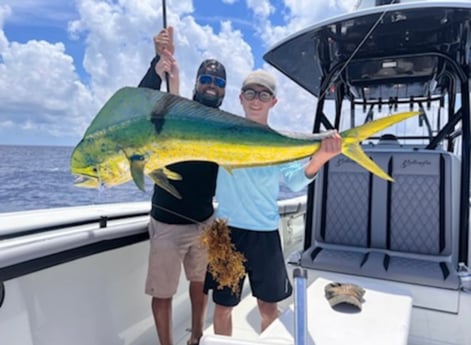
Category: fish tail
<point>352,138</point>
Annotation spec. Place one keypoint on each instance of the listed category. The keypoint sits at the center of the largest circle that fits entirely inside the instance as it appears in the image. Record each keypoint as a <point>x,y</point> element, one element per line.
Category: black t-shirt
<point>197,186</point>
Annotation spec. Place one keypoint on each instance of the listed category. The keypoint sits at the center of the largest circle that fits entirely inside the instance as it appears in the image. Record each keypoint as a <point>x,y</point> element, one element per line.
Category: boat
<point>76,275</point>
<point>404,244</point>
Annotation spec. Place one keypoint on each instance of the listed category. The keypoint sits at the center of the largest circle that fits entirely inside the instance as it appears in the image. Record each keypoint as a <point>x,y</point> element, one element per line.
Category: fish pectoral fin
<point>137,163</point>
<point>228,168</point>
<point>356,153</point>
<point>161,177</point>
<point>172,175</point>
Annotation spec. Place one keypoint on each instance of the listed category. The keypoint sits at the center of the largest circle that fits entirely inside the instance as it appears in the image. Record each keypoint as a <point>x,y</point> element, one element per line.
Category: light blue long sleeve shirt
<point>247,197</point>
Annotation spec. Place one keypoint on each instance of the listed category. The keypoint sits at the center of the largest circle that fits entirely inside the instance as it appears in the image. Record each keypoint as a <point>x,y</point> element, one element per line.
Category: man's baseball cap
<point>212,67</point>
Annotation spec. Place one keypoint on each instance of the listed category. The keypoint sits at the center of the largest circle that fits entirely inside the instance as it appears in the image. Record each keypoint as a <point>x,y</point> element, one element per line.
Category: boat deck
<point>392,314</point>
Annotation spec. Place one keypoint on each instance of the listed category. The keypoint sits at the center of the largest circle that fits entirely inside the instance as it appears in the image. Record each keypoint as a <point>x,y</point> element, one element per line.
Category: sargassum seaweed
<point>225,263</point>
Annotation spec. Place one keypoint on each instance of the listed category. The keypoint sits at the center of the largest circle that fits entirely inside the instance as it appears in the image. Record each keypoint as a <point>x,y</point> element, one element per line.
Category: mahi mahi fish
<point>140,132</point>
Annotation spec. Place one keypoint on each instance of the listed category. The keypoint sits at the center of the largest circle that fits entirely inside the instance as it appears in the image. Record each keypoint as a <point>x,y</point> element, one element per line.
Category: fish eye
<point>137,157</point>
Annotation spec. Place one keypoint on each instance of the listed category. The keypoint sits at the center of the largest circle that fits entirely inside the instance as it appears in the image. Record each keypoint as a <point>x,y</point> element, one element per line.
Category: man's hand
<point>168,65</point>
<point>164,40</point>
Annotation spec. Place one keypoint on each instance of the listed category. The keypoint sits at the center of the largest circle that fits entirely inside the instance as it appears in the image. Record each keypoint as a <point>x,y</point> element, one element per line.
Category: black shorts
<point>265,267</point>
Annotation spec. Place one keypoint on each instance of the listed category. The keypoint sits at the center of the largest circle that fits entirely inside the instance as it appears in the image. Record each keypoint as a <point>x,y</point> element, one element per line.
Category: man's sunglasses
<point>251,94</point>
<point>206,79</point>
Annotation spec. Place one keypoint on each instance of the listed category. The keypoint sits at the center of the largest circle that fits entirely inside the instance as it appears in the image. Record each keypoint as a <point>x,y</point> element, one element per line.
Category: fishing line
<point>178,214</point>
<point>357,48</point>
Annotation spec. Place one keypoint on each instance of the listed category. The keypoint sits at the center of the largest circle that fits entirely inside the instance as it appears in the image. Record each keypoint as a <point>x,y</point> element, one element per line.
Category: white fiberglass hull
<point>84,284</point>
<point>76,275</point>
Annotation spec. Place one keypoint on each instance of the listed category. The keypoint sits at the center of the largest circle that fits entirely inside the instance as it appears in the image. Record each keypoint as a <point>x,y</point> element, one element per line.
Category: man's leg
<point>199,300</point>
<point>222,320</point>
<point>162,311</point>
<point>268,313</point>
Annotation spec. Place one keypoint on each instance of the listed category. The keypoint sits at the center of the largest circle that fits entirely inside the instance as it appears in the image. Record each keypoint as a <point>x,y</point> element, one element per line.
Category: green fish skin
<point>140,131</point>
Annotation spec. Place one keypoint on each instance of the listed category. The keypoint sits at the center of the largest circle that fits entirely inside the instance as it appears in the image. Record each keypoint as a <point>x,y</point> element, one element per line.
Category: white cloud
<point>5,11</point>
<point>41,90</point>
<point>261,8</point>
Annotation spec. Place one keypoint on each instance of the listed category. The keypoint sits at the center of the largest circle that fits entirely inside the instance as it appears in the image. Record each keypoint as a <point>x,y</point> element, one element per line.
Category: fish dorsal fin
<point>161,178</point>
<point>194,111</point>
<point>126,104</point>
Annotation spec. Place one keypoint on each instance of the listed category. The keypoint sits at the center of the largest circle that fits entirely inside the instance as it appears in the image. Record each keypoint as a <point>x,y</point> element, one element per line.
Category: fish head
<point>96,168</point>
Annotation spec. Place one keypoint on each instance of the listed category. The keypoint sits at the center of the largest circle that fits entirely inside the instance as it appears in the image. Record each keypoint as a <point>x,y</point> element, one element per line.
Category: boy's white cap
<point>260,77</point>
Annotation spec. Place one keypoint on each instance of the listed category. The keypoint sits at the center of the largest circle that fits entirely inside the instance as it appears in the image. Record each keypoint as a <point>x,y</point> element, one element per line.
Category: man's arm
<point>151,79</point>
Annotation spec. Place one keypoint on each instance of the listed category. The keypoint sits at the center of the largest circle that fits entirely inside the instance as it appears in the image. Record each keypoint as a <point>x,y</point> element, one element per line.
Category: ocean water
<point>38,177</point>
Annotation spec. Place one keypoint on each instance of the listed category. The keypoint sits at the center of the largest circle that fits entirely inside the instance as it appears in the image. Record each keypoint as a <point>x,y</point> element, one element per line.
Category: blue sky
<point>61,60</point>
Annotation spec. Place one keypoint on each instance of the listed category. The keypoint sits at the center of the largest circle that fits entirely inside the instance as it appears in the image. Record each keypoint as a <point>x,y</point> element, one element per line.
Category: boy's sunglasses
<point>251,94</point>
<point>208,79</point>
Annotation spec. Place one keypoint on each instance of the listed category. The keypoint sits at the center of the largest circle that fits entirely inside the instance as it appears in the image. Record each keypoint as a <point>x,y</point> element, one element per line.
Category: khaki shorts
<point>170,246</point>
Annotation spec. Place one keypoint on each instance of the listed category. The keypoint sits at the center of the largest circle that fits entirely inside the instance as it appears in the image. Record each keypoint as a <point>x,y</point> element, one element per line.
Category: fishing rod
<point>164,21</point>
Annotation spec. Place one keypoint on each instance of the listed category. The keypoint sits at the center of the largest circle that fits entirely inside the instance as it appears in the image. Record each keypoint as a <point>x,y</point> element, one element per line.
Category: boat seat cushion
<point>405,231</point>
<point>345,198</point>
